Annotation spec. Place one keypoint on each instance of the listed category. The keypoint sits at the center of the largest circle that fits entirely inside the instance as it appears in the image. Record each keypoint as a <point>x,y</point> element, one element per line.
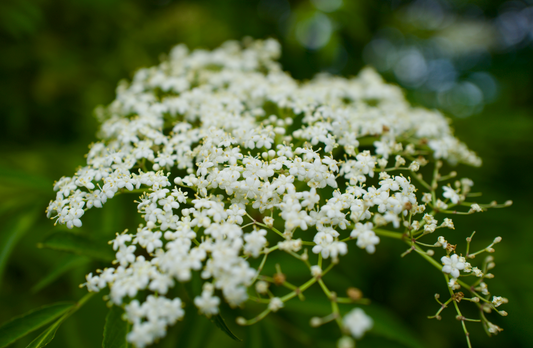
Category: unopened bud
<point>354,294</point>
<point>497,240</point>
<point>279,278</point>
<point>346,342</point>
<point>315,322</point>
<point>240,321</point>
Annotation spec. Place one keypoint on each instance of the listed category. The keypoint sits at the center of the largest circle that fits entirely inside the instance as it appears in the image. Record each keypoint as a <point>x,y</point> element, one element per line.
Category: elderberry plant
<point>233,160</point>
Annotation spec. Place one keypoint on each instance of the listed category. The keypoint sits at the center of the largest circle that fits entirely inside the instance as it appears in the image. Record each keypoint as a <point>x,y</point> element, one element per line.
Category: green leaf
<point>388,325</point>
<point>115,329</point>
<point>48,335</point>
<point>273,334</point>
<point>199,333</point>
<point>254,337</point>
<point>8,239</point>
<point>221,324</point>
<point>78,244</point>
<point>66,265</point>
<point>23,325</point>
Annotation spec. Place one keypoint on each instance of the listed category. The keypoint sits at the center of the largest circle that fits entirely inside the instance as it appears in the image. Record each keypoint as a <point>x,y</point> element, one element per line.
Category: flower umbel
<point>231,160</point>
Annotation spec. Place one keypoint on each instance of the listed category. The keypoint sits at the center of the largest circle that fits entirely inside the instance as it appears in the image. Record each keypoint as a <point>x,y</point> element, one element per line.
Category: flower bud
<point>354,294</point>
<point>315,322</point>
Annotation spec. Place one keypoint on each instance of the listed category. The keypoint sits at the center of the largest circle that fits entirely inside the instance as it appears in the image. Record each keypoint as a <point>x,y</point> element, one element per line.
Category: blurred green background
<point>471,59</point>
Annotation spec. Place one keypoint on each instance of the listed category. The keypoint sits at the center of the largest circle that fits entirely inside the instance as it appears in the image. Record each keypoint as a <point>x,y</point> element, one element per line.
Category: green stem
<point>390,234</point>
<point>462,318</point>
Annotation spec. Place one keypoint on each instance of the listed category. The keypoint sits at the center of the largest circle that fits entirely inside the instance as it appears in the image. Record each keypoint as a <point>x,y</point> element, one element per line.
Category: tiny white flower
<point>498,301</point>
<point>357,322</point>
<point>414,166</point>
<point>275,304</point>
<point>207,303</point>
<point>477,272</point>
<point>261,287</point>
<point>451,194</point>
<point>475,208</point>
<point>452,265</point>
<point>316,271</point>
<point>453,284</point>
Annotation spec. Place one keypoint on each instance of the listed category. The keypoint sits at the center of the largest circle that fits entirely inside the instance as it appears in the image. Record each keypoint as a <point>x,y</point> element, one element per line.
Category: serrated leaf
<point>79,245</point>
<point>115,329</point>
<point>23,325</point>
<point>221,324</point>
<point>48,335</point>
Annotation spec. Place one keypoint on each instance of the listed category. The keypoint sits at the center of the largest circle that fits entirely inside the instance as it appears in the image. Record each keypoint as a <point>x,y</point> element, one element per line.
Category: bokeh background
<point>471,59</point>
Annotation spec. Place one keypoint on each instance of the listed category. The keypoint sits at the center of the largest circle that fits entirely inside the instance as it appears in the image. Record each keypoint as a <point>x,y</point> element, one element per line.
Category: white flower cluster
<point>213,140</point>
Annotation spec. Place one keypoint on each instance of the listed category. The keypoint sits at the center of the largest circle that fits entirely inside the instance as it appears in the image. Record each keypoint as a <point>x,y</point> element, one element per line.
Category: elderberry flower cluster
<point>232,160</point>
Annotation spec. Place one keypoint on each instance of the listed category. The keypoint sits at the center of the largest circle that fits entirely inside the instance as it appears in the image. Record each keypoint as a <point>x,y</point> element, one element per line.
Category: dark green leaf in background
<point>199,333</point>
<point>78,244</point>
<point>23,325</point>
<point>48,335</point>
<point>66,265</point>
<point>25,179</point>
<point>115,329</point>
<point>9,238</point>
<point>388,325</point>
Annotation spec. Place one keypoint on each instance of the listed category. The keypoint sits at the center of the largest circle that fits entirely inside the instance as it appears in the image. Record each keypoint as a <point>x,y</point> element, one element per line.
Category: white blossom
<point>452,265</point>
<point>357,322</point>
<point>275,304</point>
